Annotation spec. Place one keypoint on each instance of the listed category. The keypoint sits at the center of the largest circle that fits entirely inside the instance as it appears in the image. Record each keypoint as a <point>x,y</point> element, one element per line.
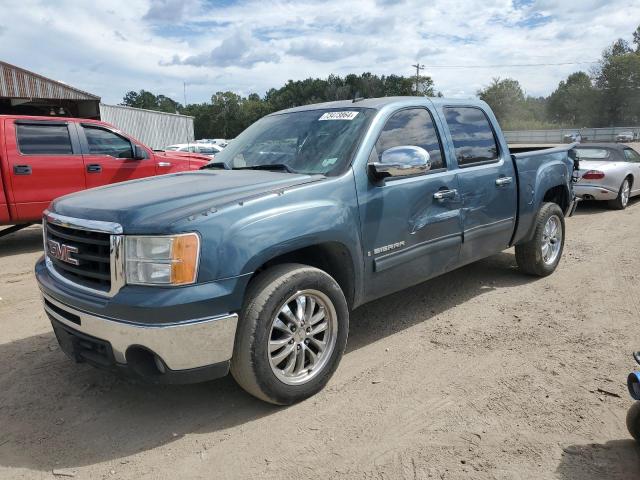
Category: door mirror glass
<point>139,153</point>
<point>401,161</point>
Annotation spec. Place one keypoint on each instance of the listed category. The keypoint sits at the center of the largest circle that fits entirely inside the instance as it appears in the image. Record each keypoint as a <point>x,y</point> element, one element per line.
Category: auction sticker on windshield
<point>338,116</point>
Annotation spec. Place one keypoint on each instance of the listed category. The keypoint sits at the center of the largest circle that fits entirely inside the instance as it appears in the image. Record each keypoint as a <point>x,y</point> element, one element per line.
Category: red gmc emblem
<point>62,252</point>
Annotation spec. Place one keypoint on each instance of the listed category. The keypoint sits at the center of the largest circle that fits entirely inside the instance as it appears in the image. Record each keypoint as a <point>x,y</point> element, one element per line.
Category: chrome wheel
<point>551,239</point>
<point>302,337</point>
<point>625,192</point>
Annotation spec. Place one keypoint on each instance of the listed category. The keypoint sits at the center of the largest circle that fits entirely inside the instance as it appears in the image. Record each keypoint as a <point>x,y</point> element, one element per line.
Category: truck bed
<point>536,167</point>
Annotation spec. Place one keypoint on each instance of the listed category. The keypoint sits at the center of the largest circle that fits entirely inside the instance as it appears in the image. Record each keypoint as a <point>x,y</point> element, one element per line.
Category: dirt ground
<point>483,373</point>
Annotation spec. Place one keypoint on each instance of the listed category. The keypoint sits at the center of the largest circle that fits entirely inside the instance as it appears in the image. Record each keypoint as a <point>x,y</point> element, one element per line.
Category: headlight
<point>171,260</point>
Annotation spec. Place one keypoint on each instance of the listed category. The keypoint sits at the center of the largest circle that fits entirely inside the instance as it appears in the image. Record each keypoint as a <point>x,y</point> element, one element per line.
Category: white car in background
<point>209,149</point>
<point>215,141</point>
<point>625,137</point>
<point>608,171</point>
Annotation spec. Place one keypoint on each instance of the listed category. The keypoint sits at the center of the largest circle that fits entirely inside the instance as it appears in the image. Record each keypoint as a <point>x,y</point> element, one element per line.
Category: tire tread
<point>528,255</point>
<point>258,294</point>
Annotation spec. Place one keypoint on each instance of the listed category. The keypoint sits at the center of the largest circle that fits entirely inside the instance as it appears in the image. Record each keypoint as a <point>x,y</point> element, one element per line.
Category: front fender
<point>282,231</point>
<point>240,239</point>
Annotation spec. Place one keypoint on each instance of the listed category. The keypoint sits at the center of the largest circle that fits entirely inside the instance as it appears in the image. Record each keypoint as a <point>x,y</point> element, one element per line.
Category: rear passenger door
<point>108,157</point>
<point>44,162</point>
<point>487,183</point>
<point>410,225</point>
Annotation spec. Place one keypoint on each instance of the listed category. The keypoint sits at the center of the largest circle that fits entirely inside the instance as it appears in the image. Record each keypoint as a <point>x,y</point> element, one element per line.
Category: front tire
<point>621,202</point>
<point>541,255</point>
<point>292,333</point>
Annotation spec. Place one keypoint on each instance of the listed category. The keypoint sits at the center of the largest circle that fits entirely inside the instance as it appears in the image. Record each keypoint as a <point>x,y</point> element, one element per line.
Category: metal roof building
<point>154,129</point>
<point>27,93</point>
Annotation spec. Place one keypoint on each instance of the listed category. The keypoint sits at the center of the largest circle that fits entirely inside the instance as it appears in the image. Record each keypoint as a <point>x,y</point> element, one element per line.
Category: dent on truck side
<point>537,175</point>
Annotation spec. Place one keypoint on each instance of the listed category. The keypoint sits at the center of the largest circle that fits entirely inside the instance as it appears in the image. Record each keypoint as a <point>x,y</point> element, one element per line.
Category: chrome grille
<point>91,252</point>
<point>85,253</point>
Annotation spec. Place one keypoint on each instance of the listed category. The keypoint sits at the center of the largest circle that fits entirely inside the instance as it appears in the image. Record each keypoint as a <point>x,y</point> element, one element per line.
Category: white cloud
<point>108,48</point>
<point>239,49</point>
<point>323,50</point>
<point>170,11</point>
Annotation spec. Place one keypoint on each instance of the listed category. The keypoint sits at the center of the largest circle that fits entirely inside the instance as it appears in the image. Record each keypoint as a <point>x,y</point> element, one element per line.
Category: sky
<point>110,47</point>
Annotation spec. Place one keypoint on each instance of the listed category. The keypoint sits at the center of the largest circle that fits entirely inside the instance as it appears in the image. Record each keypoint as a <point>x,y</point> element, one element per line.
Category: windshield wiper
<point>268,166</point>
<point>214,164</point>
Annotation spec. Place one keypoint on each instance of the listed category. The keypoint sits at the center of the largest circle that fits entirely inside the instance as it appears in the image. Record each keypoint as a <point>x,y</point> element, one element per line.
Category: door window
<point>472,135</point>
<point>104,142</point>
<point>631,155</point>
<point>44,139</point>
<point>413,127</point>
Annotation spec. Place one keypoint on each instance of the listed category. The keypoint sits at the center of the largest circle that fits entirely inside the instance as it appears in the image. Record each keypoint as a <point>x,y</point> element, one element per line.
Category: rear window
<point>593,153</point>
<point>472,135</point>
<point>44,139</point>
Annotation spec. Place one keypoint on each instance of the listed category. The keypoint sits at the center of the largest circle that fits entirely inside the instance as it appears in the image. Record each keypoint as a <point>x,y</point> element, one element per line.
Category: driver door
<point>411,227</point>
<point>108,157</point>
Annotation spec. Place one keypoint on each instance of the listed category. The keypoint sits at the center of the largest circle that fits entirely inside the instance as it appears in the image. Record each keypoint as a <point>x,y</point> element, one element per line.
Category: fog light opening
<point>144,362</point>
<point>159,365</point>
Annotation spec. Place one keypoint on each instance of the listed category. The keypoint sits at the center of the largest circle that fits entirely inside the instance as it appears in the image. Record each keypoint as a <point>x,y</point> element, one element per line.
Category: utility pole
<point>186,119</point>
<point>418,67</point>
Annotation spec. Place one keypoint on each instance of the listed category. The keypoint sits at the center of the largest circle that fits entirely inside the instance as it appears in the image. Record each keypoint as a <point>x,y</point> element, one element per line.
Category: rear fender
<point>534,186</point>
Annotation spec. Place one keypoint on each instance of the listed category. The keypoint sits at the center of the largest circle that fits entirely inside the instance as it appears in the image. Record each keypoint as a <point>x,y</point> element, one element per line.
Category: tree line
<point>228,114</point>
<point>608,95</point>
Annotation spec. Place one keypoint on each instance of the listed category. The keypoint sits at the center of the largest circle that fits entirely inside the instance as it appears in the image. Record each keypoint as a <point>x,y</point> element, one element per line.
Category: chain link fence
<point>563,135</point>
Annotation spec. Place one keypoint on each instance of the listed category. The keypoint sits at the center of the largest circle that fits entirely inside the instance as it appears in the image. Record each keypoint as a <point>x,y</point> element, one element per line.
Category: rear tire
<point>277,355</point>
<point>621,202</point>
<point>541,255</point>
<point>633,421</point>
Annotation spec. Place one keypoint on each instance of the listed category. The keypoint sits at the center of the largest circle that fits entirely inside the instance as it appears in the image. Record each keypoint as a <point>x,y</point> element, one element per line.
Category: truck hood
<point>155,204</point>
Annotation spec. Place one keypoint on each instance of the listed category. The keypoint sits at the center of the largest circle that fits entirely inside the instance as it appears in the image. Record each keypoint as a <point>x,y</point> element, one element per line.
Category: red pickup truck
<point>42,158</point>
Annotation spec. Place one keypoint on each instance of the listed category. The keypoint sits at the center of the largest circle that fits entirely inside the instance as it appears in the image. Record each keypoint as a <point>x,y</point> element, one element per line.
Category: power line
<point>508,65</point>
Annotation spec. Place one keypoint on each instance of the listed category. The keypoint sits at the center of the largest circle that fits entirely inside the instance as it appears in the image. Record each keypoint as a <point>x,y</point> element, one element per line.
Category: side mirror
<point>139,153</point>
<point>401,161</point>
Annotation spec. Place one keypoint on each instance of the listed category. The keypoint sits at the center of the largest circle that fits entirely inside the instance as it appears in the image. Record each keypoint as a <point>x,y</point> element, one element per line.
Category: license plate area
<point>82,347</point>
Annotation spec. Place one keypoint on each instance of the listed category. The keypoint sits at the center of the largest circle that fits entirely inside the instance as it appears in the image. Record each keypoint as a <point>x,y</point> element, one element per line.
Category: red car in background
<point>42,158</point>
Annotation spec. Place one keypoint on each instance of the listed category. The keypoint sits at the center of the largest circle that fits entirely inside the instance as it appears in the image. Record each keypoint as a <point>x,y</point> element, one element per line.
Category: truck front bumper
<point>183,352</point>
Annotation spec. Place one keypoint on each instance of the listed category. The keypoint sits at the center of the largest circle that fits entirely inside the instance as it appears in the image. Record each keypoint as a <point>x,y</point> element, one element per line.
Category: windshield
<point>310,141</point>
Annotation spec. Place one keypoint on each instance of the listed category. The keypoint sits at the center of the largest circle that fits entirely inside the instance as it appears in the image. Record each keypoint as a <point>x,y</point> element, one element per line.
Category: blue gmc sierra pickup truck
<point>253,264</point>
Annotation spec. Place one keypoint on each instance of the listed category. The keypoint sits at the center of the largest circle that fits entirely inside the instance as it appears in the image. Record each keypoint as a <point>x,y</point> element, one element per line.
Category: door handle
<point>443,194</point>
<point>164,164</point>
<point>503,181</point>
<point>94,168</point>
<point>22,169</point>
